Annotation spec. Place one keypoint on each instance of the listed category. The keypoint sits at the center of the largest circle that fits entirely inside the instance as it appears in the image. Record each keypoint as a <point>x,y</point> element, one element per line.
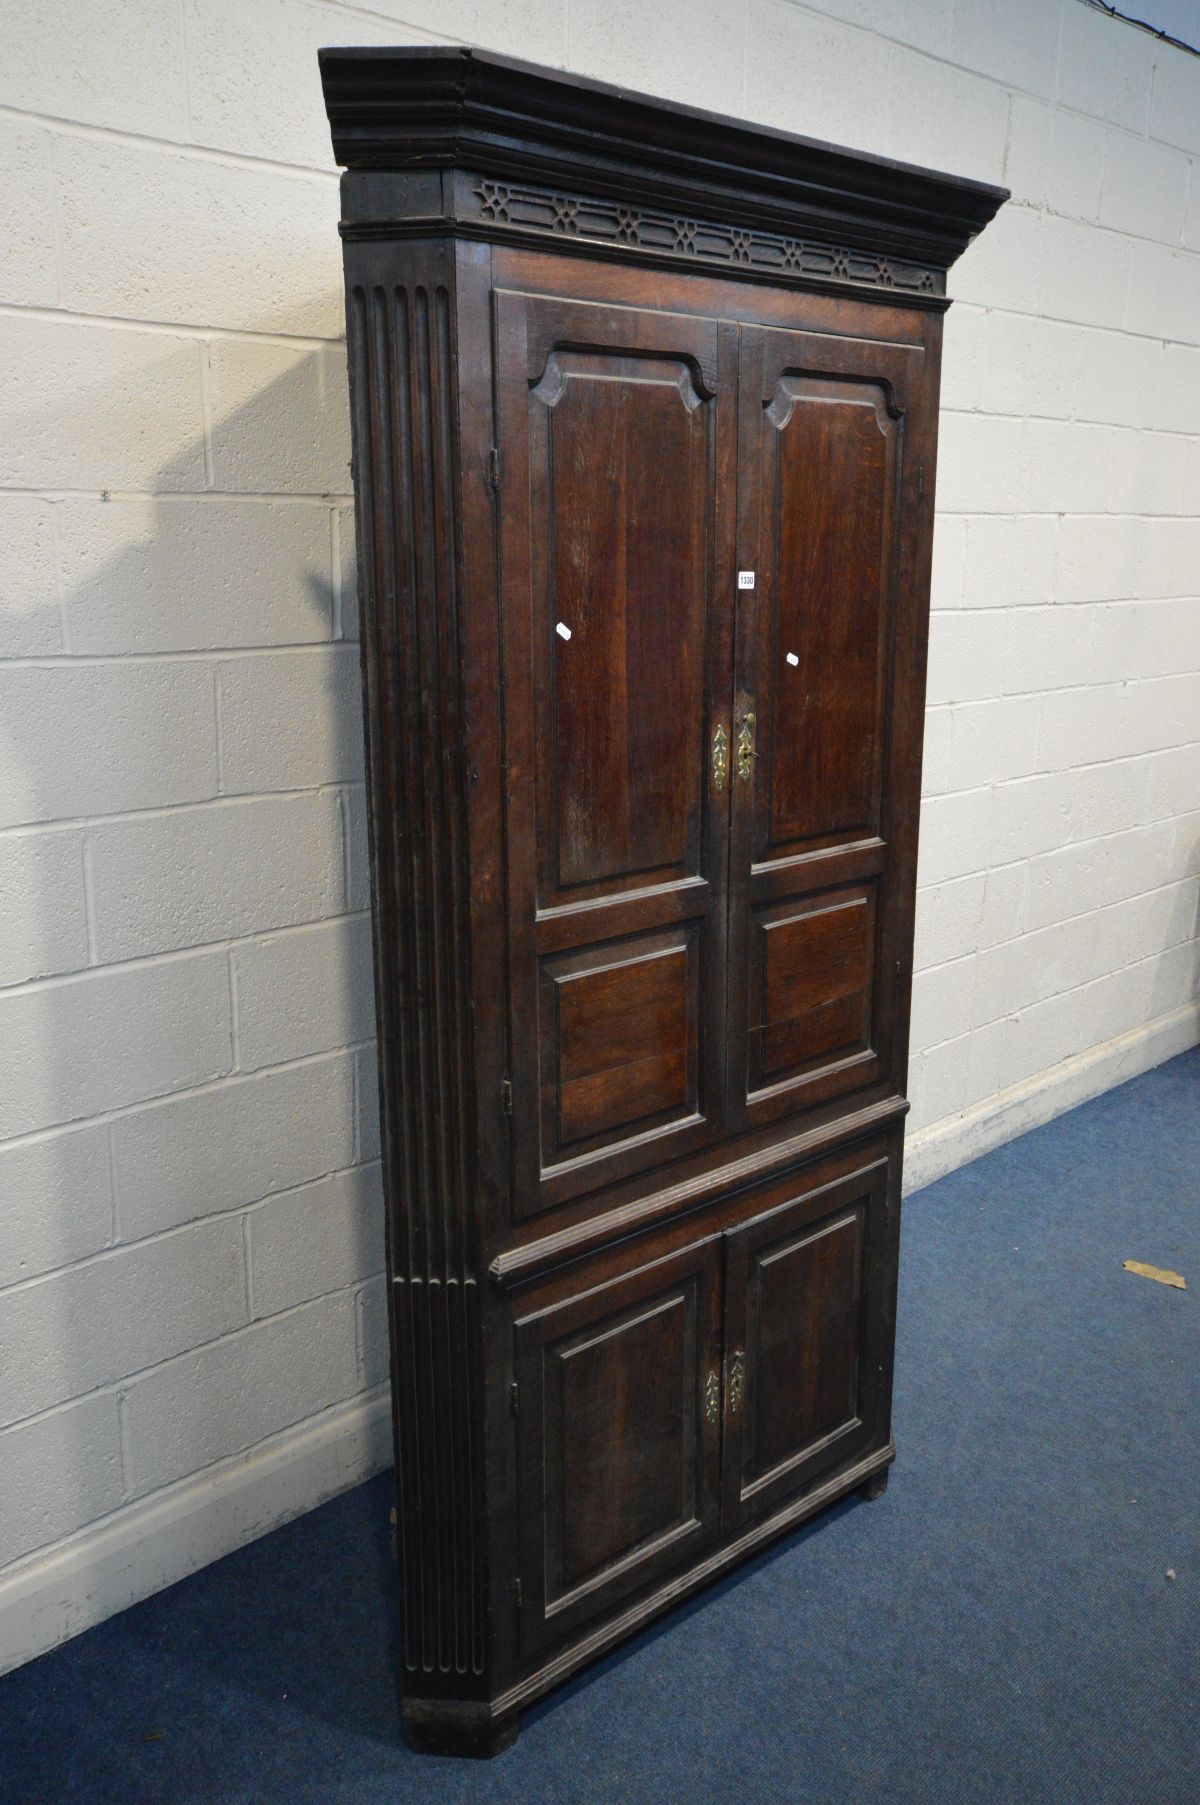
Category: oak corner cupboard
<point>644,409</point>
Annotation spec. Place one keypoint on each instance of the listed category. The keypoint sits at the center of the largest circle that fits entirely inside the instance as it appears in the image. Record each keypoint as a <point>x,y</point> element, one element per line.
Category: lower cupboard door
<point>618,1438</point>
<point>808,1340</point>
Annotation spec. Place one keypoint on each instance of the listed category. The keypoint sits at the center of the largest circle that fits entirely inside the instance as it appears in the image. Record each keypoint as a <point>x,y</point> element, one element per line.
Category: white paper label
<point>745,579</point>
<point>563,631</point>
<point>792,658</point>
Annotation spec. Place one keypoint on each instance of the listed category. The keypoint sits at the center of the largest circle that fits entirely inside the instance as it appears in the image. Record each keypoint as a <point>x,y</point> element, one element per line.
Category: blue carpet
<point>999,1627</point>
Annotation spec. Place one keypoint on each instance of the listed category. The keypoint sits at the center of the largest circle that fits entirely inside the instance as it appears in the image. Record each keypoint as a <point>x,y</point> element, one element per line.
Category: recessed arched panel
<point>621,448</point>
<point>832,452</point>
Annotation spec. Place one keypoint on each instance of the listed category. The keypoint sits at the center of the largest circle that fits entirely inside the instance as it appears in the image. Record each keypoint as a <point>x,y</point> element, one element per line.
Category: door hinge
<point>514,1396</point>
<point>506,1096</point>
<point>920,481</point>
<point>494,467</point>
<point>517,1593</point>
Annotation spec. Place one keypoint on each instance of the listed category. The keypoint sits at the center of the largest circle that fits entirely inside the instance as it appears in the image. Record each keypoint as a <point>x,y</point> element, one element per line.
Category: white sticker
<point>792,658</point>
<point>745,579</point>
<point>563,631</point>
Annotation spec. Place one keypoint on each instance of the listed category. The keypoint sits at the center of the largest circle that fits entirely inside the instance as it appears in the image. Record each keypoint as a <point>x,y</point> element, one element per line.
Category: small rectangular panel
<point>830,513</point>
<point>811,993</point>
<point>623,1043</point>
<point>620,1041</point>
<point>803,1334</point>
<point>815,999</point>
<point>621,479</point>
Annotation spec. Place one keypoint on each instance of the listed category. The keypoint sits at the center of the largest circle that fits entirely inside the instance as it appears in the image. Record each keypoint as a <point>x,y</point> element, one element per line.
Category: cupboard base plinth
<point>454,1727</point>
<point>875,1486</point>
<point>683,1586</point>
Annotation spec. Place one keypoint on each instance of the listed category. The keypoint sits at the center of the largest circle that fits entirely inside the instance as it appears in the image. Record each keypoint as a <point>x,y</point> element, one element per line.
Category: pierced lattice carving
<point>579,216</point>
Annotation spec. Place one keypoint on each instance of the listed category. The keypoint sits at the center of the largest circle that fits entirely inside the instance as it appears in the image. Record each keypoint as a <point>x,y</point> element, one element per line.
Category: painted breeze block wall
<point>191,1311</point>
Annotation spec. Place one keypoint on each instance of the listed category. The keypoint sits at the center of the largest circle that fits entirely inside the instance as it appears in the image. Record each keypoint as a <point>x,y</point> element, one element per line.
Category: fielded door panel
<point>804,1341</point>
<point>618,1436</point>
<point>822,481</point>
<point>617,446</point>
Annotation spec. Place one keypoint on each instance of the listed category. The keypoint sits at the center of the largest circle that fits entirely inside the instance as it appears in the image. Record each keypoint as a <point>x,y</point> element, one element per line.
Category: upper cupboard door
<point>617,440</point>
<point>826,427</point>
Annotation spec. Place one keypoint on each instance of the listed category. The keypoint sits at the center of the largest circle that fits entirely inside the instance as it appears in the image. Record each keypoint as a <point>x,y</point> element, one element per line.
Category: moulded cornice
<point>499,149</point>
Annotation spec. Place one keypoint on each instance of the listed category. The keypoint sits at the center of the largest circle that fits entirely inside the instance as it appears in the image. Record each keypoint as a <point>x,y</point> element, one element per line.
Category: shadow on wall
<point>200,745</point>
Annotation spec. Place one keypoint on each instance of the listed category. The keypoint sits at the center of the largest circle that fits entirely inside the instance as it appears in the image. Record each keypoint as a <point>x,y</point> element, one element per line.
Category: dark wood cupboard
<point>644,407</point>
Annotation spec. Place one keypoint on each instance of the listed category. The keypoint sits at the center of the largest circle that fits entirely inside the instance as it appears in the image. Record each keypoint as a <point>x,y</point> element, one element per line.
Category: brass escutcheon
<point>720,757</point>
<point>745,748</point>
<point>737,1382</point>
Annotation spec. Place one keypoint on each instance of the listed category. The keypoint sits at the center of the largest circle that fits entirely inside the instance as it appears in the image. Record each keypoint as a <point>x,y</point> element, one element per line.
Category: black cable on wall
<point>1143,25</point>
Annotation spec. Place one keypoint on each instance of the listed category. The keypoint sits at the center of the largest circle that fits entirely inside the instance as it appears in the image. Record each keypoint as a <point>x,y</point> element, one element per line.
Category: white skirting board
<point>55,1594</point>
<point>944,1146</point>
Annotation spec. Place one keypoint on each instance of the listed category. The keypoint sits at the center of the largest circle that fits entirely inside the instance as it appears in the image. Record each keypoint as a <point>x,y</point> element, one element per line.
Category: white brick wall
<point>190,1235</point>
